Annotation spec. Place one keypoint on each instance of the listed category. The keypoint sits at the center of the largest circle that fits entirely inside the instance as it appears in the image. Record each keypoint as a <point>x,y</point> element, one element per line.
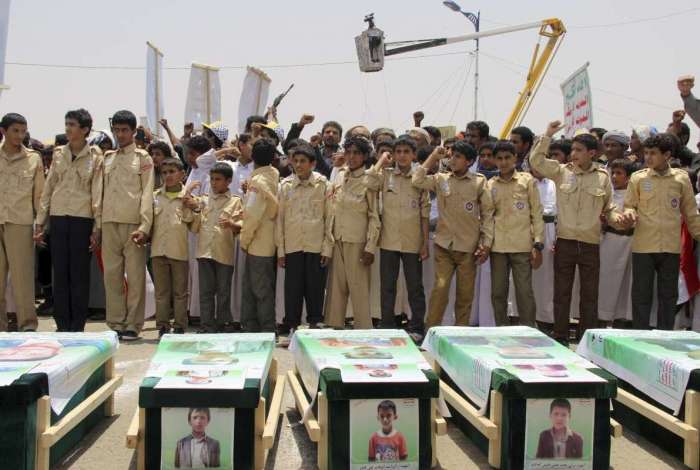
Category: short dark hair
<point>264,151</point>
<point>663,141</point>
<point>254,118</point>
<point>305,149</point>
<point>387,405</point>
<point>176,162</point>
<point>525,133</point>
<point>587,140</point>
<point>407,140</point>
<point>433,131</point>
<point>389,144</point>
<point>562,144</point>
<point>199,144</point>
<point>463,148</point>
<point>223,169</point>
<point>623,164</point>
<point>424,152</point>
<point>503,146</point>
<point>162,146</point>
<point>204,411</point>
<point>12,118</point>
<point>448,141</point>
<point>82,116</point>
<point>124,117</point>
<point>480,126</point>
<point>334,124</point>
<point>360,142</point>
<point>598,132</point>
<point>488,145</point>
<point>60,139</point>
<point>560,403</point>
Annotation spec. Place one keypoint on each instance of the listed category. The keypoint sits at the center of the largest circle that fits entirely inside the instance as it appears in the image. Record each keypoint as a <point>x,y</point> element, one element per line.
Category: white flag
<point>203,96</point>
<point>4,26</point>
<point>578,104</point>
<point>256,88</point>
<point>154,87</point>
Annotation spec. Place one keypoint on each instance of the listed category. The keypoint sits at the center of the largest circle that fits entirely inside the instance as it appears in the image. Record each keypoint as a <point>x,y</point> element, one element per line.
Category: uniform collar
<point>579,171</point>
<point>296,181</point>
<point>653,172</point>
<point>128,149</point>
<point>227,194</point>
<point>397,171</point>
<point>163,190</point>
<point>516,175</point>
<point>466,175</point>
<point>69,153</point>
<point>356,173</point>
<point>23,152</point>
<point>262,170</point>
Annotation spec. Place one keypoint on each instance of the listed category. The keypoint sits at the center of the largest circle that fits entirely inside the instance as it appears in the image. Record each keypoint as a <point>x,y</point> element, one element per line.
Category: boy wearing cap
<point>464,229</point>
<point>22,180</point>
<point>127,215</point>
<point>304,245</point>
<point>404,232</point>
<point>258,241</point>
<point>657,201</point>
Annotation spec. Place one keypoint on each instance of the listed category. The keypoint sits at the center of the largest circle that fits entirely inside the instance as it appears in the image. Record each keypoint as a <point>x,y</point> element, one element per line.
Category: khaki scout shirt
<point>582,195</point>
<point>403,208</point>
<point>660,201</point>
<point>260,212</point>
<point>128,188</point>
<point>171,219</point>
<point>302,216</point>
<point>214,241</point>
<point>21,180</point>
<point>517,213</point>
<point>354,215</point>
<point>73,185</point>
<point>465,207</point>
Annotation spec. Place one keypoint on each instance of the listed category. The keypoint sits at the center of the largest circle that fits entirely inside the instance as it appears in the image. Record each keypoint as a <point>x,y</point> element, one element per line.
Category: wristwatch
<point>538,246</point>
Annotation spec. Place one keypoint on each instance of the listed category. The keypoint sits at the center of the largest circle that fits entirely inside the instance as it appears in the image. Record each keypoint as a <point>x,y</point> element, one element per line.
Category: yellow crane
<point>371,50</point>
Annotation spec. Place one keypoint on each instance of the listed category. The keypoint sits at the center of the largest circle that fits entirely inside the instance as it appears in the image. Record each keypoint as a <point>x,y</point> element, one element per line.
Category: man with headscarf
<point>639,135</point>
<point>616,144</point>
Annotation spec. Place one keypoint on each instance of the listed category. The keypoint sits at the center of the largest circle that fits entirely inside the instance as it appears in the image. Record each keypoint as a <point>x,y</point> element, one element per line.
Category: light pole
<point>475,19</point>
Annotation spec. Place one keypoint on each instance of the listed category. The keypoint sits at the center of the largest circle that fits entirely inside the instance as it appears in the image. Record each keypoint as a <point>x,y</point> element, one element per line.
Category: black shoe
<point>283,329</point>
<point>179,331</point>
<point>129,335</point>
<point>314,326</point>
<point>97,314</point>
<point>164,330</point>
<point>29,330</point>
<point>46,308</point>
<point>202,331</point>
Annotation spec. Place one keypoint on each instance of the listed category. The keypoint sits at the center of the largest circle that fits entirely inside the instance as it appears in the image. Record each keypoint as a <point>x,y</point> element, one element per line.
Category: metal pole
<point>476,72</point>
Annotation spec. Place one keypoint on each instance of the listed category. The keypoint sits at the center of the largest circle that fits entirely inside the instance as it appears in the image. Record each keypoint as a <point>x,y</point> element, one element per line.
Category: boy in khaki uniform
<point>169,246</point>
<point>22,180</point>
<point>72,200</point>
<point>355,228</point>
<point>584,194</point>
<point>658,198</point>
<point>258,241</point>
<point>304,244</point>
<point>127,215</point>
<point>404,233</point>
<point>464,229</point>
<point>221,222</point>
<point>518,236</point>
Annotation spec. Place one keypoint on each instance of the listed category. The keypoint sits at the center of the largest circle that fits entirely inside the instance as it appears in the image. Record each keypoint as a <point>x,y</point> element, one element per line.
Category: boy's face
<point>74,131</point>
<point>613,149</point>
<point>354,157</point>
<point>15,134</point>
<point>124,134</point>
<point>459,163</point>
<point>246,150</point>
<point>386,418</point>
<point>199,422</point>
<point>581,156</point>
<point>655,159</point>
<point>303,166</point>
<point>404,156</point>
<point>505,161</point>
<point>192,158</point>
<point>172,176</point>
<point>158,156</point>
<point>219,183</point>
<point>619,178</point>
<point>558,155</point>
<point>559,417</point>
<point>486,159</point>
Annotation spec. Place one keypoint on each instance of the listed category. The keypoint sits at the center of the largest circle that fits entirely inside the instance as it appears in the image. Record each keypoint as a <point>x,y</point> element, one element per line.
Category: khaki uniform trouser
<point>125,310</point>
<point>446,263</point>
<point>170,278</point>
<point>17,258</point>
<point>349,277</point>
<point>502,264</point>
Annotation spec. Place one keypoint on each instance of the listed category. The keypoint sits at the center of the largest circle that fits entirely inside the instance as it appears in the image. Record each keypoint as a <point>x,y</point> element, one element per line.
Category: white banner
<point>4,27</point>
<point>578,104</point>
<point>154,88</point>
<point>203,96</point>
<point>256,88</point>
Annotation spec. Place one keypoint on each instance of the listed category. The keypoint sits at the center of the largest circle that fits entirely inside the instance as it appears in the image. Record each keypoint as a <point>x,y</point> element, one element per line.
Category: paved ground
<point>105,447</point>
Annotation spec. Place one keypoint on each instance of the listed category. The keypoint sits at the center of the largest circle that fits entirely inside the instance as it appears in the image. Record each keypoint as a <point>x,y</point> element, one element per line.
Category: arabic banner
<point>578,105</point>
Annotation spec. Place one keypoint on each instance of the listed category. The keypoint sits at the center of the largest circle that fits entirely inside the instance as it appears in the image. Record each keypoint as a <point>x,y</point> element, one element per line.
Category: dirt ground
<point>105,446</point>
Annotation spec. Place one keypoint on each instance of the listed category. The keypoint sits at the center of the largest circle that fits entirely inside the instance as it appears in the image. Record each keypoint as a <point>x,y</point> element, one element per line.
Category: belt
<point>549,219</point>
<point>623,233</point>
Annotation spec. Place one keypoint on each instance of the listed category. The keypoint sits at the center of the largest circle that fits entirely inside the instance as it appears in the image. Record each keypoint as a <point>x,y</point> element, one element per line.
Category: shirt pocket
<point>23,180</point>
<point>355,200</point>
<point>521,201</point>
<point>594,200</point>
<point>647,202</point>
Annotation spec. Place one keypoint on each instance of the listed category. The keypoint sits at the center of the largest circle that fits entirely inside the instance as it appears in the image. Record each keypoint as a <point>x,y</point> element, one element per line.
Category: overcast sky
<point>633,66</point>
